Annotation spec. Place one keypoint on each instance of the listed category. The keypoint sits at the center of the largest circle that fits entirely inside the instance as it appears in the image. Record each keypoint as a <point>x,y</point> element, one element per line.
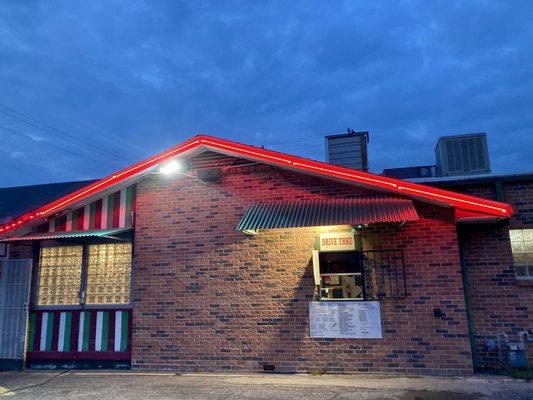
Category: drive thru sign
<point>339,241</point>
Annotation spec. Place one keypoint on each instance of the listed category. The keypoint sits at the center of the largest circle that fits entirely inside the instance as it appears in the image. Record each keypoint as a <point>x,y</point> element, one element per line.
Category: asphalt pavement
<point>44,385</point>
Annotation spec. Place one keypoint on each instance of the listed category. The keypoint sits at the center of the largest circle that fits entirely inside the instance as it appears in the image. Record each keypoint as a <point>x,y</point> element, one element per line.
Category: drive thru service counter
<point>343,309</point>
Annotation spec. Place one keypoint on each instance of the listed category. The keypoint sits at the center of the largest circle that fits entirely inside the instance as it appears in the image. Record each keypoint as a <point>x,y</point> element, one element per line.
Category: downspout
<point>468,304</point>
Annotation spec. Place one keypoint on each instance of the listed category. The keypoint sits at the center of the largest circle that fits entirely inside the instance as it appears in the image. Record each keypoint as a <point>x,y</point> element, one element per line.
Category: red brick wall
<point>520,195</point>
<point>500,303</point>
<point>210,298</point>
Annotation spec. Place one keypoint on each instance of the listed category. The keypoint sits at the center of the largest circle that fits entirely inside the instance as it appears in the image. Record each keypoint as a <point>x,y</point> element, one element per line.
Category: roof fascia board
<point>200,143</point>
<point>337,179</point>
<point>86,200</point>
<point>422,192</point>
<point>78,196</point>
<point>466,216</point>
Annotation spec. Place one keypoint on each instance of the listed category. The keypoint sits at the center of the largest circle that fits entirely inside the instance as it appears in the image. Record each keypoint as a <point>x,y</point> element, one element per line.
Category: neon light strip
<point>102,184</point>
<point>128,171</point>
<point>348,175</point>
<point>297,162</point>
<point>253,153</point>
<point>503,210</point>
<point>359,176</point>
<point>285,160</point>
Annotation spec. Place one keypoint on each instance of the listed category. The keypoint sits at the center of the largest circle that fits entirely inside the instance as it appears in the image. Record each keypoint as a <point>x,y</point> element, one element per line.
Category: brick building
<point>215,255</point>
<point>497,261</point>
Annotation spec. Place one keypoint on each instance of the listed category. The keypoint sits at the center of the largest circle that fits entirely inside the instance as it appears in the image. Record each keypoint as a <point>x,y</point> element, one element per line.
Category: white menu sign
<point>345,319</point>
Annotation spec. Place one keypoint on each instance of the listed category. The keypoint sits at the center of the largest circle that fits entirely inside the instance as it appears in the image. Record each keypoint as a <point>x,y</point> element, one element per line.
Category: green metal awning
<point>334,211</point>
<point>64,235</point>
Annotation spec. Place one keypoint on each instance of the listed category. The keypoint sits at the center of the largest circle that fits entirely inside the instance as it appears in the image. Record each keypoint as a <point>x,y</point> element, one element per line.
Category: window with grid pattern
<point>522,248</point>
<point>59,275</point>
<point>108,273</point>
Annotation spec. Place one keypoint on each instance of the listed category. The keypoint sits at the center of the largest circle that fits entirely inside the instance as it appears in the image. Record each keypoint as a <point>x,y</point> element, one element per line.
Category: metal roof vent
<point>348,150</point>
<point>462,155</point>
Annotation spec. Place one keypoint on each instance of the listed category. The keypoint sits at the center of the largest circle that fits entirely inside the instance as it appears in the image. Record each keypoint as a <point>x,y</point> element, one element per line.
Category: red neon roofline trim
<point>462,201</point>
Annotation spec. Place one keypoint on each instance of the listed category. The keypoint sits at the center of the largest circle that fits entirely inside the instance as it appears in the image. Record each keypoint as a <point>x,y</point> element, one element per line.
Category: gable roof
<point>470,207</point>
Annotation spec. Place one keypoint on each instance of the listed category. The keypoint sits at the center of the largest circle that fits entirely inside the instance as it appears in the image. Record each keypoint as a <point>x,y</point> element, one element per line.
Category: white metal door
<point>15,277</point>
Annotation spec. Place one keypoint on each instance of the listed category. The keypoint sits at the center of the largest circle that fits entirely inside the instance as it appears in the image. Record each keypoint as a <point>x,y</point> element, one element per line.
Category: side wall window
<point>522,248</point>
<point>59,275</point>
<point>108,275</point>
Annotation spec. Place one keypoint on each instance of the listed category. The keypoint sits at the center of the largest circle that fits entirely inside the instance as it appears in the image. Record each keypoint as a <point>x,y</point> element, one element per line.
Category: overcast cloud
<point>130,78</point>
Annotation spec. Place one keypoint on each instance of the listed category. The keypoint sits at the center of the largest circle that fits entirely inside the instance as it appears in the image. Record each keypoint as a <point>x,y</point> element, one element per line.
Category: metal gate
<point>15,278</point>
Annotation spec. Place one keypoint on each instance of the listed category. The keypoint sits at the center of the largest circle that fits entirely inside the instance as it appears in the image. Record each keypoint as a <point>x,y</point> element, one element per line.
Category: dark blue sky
<point>121,80</point>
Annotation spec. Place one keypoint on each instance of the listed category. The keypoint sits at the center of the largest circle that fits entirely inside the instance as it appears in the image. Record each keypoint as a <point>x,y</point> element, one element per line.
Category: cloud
<point>136,78</point>
<point>16,155</point>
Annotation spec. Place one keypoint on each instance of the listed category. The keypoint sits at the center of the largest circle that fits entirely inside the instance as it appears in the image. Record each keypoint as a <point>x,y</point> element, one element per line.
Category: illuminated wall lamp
<point>251,232</point>
<point>171,167</point>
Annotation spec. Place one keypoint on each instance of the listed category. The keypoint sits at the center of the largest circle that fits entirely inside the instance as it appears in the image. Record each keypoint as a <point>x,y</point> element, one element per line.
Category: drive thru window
<point>343,271</point>
<point>350,284</point>
<point>341,275</point>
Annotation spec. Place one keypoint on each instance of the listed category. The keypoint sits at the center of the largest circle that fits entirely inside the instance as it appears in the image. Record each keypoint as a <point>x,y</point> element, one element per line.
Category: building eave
<point>201,143</point>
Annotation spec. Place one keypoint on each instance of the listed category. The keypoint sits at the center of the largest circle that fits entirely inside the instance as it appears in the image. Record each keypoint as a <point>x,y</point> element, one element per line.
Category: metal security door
<point>15,278</point>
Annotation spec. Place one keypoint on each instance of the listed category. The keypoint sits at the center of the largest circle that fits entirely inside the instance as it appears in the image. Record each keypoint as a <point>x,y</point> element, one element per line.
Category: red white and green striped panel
<point>103,331</point>
<point>112,211</point>
<point>79,331</point>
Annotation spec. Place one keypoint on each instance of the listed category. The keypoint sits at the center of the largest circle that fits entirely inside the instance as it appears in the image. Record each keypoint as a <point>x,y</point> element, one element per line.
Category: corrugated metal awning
<point>65,235</point>
<point>343,211</point>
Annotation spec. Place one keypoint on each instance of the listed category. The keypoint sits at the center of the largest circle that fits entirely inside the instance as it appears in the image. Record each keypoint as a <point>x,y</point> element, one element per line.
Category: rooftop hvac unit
<point>348,150</point>
<point>462,155</point>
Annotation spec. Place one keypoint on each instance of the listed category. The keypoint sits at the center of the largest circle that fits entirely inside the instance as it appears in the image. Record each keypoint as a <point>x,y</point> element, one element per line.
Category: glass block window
<point>108,273</point>
<point>522,248</point>
<point>59,275</point>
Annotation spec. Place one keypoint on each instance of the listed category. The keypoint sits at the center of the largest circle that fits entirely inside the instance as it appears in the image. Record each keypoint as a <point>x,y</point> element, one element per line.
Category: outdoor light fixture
<point>170,167</point>
<point>251,232</point>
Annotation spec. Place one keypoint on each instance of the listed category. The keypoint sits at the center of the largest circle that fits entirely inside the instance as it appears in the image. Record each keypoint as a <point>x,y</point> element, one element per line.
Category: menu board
<point>345,319</point>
